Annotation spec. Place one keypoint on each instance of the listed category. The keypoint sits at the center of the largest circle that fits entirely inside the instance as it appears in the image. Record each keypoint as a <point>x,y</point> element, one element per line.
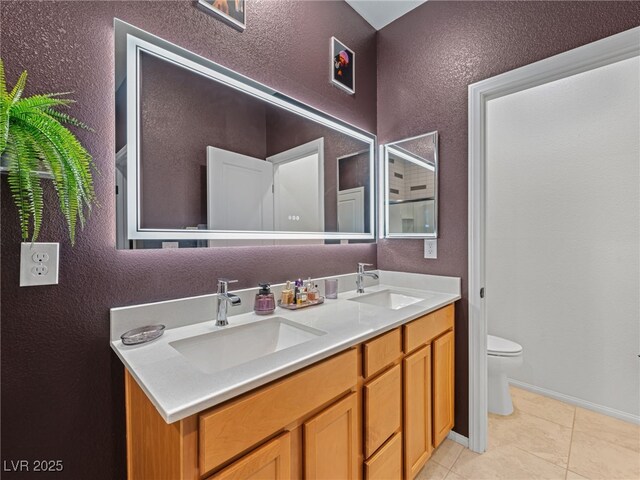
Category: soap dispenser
<point>265,302</point>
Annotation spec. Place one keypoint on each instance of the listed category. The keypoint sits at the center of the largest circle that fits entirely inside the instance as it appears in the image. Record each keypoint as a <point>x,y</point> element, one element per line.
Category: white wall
<point>563,233</point>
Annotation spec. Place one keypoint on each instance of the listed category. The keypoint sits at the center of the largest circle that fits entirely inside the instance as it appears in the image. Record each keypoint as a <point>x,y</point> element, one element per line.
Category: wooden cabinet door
<point>417,411</point>
<point>443,387</point>
<point>331,442</point>
<point>269,462</point>
<point>382,409</point>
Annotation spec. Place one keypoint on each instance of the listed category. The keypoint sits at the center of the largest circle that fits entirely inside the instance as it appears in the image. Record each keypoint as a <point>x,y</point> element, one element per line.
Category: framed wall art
<point>343,66</point>
<point>232,12</point>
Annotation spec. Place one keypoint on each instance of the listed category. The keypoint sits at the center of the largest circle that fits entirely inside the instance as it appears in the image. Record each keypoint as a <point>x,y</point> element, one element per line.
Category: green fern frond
<point>33,137</point>
<point>40,102</point>
<point>3,82</point>
<point>18,88</point>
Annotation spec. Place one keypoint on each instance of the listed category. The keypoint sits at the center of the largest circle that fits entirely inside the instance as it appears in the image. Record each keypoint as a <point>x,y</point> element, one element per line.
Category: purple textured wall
<point>426,60</point>
<point>62,388</point>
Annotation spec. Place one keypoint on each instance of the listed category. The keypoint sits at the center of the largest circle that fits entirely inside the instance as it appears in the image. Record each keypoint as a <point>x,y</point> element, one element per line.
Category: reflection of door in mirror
<point>298,188</point>
<point>351,210</point>
<point>285,192</point>
<point>353,185</point>
<point>233,208</point>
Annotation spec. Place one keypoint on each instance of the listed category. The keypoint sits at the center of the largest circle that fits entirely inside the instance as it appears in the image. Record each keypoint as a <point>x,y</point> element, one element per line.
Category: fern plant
<point>33,138</point>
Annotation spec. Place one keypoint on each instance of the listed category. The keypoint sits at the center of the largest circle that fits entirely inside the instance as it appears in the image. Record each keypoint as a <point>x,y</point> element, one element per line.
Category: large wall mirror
<point>411,187</point>
<point>207,157</point>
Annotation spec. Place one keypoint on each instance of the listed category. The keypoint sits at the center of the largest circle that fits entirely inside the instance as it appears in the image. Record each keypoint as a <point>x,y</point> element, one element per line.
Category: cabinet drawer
<point>386,464</point>
<point>381,352</point>
<point>382,408</point>
<point>235,427</point>
<point>271,461</point>
<point>425,329</point>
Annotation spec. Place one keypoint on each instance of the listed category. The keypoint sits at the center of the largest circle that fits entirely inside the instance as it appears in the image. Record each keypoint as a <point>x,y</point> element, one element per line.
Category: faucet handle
<point>362,265</point>
<point>223,284</point>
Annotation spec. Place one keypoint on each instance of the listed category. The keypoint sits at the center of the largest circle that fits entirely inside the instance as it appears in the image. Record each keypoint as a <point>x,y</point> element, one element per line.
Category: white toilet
<point>504,356</point>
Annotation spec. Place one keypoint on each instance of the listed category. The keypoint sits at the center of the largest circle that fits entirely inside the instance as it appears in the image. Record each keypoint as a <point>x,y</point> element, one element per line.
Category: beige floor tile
<point>453,476</point>
<point>608,428</point>
<point>543,407</point>
<point>598,459</point>
<point>543,438</point>
<point>432,471</point>
<point>574,476</point>
<point>505,463</point>
<point>447,453</point>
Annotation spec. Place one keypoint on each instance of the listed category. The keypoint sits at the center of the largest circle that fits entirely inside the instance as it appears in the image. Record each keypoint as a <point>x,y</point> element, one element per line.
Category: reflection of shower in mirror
<point>411,187</point>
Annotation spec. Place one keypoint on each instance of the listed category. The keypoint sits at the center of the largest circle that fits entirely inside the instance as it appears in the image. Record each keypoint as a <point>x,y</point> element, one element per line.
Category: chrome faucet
<point>362,274</point>
<point>223,300</point>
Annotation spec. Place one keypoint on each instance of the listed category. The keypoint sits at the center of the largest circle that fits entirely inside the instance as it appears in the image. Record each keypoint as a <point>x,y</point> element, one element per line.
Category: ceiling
<point>380,13</point>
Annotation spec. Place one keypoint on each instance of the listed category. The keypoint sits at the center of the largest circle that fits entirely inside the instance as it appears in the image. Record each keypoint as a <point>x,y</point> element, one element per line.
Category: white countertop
<point>178,389</point>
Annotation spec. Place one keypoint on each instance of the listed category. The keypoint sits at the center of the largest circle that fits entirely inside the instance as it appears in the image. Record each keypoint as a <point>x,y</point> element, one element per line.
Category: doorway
<point>602,53</point>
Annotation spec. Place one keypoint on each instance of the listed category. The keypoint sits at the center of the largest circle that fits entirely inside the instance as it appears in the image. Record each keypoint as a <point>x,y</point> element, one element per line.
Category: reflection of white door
<point>351,210</point>
<point>298,179</point>
<point>239,192</point>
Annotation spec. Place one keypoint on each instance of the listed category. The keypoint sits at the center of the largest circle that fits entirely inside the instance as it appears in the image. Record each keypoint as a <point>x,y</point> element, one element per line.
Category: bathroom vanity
<point>363,386</point>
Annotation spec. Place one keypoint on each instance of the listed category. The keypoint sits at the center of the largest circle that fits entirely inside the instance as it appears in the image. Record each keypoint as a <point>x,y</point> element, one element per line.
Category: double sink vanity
<point>360,386</point>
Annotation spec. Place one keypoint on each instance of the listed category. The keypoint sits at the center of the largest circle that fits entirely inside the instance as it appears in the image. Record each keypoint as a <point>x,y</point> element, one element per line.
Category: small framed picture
<point>343,66</point>
<point>232,12</point>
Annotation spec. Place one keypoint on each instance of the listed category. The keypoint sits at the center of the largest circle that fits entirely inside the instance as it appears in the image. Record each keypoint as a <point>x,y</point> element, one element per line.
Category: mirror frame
<point>135,42</point>
<point>384,167</point>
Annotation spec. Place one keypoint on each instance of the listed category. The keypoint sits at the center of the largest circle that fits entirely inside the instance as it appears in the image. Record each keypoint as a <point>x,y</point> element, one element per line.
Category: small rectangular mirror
<point>411,187</point>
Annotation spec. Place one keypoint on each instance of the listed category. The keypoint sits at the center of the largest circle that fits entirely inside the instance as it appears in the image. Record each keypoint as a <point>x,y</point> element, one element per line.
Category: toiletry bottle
<point>265,302</point>
<point>287,295</point>
<point>314,293</point>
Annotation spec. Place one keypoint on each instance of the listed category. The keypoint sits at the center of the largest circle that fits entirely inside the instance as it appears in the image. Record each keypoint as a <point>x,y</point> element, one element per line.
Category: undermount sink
<point>387,299</point>
<point>232,346</point>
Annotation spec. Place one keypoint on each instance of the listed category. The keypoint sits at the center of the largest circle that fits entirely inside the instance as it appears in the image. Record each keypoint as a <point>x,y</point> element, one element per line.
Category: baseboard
<point>461,439</point>
<point>612,412</point>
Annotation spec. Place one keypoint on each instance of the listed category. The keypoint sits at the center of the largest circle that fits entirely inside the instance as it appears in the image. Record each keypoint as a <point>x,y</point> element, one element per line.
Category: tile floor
<point>544,439</point>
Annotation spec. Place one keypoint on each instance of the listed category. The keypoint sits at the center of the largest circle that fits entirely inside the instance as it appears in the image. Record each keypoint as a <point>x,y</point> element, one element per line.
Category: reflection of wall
<point>286,131</point>
<point>55,353</point>
<point>181,114</point>
<point>426,60</point>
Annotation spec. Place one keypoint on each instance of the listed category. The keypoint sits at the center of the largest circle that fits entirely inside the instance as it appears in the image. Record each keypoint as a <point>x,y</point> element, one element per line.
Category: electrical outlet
<point>431,248</point>
<point>38,264</point>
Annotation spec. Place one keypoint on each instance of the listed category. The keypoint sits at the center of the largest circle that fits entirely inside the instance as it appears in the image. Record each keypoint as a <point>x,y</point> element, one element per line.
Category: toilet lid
<point>502,346</point>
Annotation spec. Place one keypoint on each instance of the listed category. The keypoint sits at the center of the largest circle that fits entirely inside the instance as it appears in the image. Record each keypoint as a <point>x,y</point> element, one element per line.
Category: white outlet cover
<point>38,264</point>
<point>431,248</point>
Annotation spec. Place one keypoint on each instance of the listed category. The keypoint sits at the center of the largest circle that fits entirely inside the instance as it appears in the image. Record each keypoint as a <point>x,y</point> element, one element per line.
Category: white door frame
<point>593,55</point>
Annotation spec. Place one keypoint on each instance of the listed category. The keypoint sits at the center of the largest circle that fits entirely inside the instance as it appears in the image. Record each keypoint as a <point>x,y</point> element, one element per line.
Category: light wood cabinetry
<point>428,386</point>
<point>269,462</point>
<point>386,464</point>
<point>331,442</point>
<point>382,408</point>
<point>443,387</point>
<point>417,410</point>
<point>381,352</point>
<point>240,424</point>
<point>375,411</point>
